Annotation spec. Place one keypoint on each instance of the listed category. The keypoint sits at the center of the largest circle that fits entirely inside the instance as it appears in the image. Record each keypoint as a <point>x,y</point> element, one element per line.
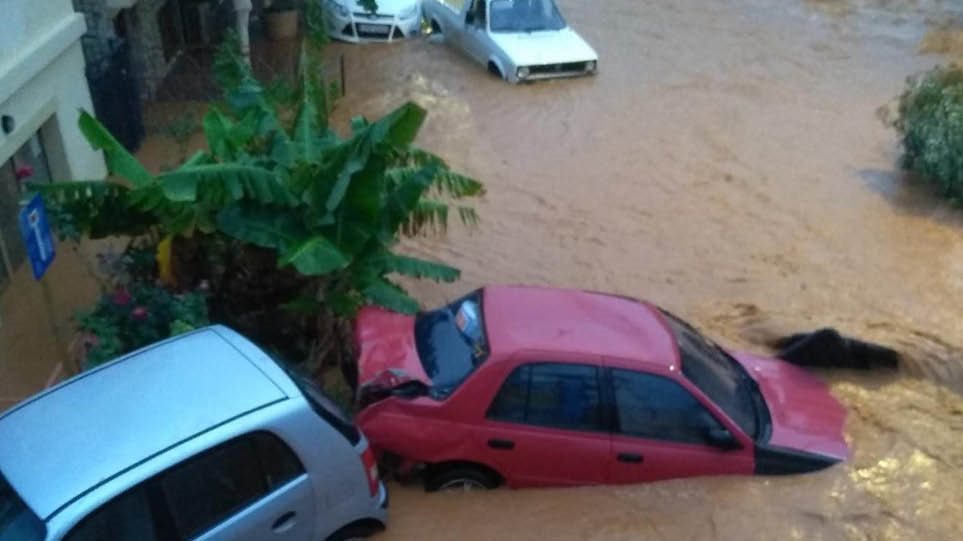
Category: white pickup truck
<point>518,40</point>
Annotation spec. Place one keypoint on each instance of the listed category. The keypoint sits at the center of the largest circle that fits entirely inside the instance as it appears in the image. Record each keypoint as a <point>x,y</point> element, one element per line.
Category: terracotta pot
<point>282,25</point>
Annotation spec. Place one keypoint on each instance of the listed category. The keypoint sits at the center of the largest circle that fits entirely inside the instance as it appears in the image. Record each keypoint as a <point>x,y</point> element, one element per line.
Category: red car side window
<point>509,403</point>
<point>552,395</point>
<point>658,408</point>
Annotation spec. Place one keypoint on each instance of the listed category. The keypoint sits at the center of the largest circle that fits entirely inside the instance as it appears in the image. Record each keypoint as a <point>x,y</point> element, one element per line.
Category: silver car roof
<point>62,443</point>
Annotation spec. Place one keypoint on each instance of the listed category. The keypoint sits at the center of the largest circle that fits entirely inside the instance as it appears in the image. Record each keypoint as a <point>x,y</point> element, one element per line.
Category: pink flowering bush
<point>23,172</point>
<point>135,315</point>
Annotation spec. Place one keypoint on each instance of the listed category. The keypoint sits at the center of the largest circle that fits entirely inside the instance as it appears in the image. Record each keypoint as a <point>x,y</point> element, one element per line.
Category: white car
<point>518,40</point>
<point>395,19</point>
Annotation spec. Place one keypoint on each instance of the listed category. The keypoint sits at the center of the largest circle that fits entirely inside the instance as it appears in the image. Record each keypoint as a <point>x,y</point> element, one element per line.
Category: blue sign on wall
<point>37,237</point>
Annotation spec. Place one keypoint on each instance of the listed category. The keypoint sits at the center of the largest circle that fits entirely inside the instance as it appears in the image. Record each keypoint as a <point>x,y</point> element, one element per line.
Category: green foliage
<point>930,121</point>
<point>277,177</point>
<point>96,209</point>
<point>118,159</point>
<point>138,315</point>
<point>138,310</point>
<point>180,129</point>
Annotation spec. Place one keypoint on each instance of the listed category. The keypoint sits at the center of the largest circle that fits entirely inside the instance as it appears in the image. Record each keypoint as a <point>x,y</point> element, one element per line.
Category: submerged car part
<point>518,40</point>
<point>828,348</point>
<point>773,460</point>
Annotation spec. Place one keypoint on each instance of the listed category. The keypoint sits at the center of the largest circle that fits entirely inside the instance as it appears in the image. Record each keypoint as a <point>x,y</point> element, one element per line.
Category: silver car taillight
<point>370,469</point>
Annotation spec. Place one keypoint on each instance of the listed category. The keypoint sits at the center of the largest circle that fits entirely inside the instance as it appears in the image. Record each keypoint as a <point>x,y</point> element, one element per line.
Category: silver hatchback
<point>202,436</point>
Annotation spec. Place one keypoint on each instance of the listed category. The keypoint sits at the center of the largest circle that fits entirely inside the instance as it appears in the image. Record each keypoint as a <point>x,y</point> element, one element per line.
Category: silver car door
<point>253,488</point>
<point>286,514</point>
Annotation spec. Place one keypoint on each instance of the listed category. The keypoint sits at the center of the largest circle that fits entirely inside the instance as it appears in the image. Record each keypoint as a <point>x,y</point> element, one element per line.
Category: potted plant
<point>281,18</point>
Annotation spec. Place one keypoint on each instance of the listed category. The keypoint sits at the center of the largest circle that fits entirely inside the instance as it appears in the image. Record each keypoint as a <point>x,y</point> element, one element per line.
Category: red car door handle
<point>505,445</point>
<point>631,458</point>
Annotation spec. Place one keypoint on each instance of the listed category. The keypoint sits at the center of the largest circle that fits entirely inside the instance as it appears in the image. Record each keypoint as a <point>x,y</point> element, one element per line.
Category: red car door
<point>662,431</point>
<point>546,426</point>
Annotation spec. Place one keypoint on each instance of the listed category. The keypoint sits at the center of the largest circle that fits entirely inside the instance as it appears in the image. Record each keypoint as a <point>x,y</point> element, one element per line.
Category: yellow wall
<point>42,86</point>
<point>35,333</point>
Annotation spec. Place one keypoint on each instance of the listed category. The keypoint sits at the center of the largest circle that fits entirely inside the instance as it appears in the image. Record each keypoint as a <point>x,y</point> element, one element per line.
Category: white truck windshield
<point>525,16</point>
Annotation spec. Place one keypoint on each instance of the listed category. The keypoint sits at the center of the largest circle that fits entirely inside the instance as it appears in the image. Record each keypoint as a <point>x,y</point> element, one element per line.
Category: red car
<point>547,387</point>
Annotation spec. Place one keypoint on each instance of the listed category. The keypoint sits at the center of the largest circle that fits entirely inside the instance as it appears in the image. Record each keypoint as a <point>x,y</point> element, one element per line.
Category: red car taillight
<point>370,469</point>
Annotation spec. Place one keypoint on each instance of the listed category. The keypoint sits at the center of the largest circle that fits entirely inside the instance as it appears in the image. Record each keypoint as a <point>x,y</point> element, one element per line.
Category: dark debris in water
<point>827,348</point>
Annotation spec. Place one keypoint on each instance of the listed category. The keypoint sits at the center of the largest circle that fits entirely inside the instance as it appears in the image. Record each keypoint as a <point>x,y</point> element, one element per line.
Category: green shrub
<point>292,226</point>
<point>137,315</point>
<point>930,121</point>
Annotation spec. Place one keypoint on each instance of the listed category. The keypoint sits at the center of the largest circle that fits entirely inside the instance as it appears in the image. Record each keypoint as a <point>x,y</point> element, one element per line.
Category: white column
<point>243,10</point>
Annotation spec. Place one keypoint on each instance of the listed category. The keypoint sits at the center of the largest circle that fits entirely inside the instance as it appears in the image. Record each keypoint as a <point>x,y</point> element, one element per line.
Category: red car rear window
<point>451,342</point>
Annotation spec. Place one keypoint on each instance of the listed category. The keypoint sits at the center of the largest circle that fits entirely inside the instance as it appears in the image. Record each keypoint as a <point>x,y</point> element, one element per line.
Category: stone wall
<point>147,45</point>
<point>143,32</point>
<point>100,32</point>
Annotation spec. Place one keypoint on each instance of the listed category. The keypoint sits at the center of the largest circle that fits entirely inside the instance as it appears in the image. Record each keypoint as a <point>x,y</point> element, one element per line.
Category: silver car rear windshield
<point>322,404</point>
<point>328,409</point>
<point>17,521</point>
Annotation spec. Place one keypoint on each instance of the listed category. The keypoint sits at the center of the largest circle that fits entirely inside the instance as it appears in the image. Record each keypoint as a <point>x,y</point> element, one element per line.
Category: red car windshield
<point>718,375</point>
<point>17,521</point>
<point>451,342</point>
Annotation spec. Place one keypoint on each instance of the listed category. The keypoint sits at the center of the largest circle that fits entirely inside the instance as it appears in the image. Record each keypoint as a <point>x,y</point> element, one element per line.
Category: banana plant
<point>281,179</point>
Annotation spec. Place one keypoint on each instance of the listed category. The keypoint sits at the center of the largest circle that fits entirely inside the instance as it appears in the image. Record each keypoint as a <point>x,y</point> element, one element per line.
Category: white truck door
<point>476,31</point>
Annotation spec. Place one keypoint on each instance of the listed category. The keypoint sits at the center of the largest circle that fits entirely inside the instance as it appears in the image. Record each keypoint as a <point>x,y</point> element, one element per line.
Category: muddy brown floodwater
<point>727,163</point>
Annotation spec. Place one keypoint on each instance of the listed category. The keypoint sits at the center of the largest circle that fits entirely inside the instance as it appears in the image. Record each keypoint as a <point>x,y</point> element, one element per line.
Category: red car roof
<point>548,319</point>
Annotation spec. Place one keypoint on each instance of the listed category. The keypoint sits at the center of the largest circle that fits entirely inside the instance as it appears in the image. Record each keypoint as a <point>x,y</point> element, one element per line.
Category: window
<point>211,487</point>
<point>198,493</point>
<point>552,395</point>
<point>17,521</point>
<point>278,461</point>
<point>658,408</point>
<point>126,518</point>
<point>509,404</point>
<point>476,15</point>
<point>28,164</point>
<point>451,342</point>
<point>326,408</point>
<point>719,376</point>
<point>525,16</point>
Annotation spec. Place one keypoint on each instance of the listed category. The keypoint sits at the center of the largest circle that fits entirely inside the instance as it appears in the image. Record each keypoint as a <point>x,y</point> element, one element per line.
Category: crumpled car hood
<point>387,355</point>
<point>546,47</point>
<point>805,416</point>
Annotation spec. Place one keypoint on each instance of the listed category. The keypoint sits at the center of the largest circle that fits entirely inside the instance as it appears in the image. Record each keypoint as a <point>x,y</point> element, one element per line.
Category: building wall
<point>42,79</point>
<point>42,87</point>
<point>100,30</point>
<point>29,18</point>
<point>143,31</point>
